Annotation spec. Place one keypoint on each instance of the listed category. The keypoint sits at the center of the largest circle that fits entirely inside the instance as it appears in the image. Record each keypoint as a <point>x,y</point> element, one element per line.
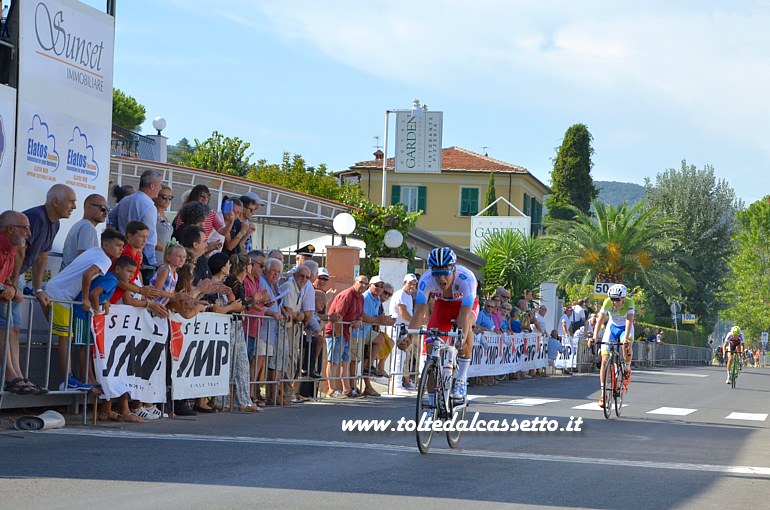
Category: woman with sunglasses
<point>620,309</point>
<point>454,288</point>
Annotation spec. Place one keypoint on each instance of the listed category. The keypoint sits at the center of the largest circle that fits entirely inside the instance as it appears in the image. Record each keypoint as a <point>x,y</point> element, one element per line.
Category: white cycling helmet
<point>617,291</point>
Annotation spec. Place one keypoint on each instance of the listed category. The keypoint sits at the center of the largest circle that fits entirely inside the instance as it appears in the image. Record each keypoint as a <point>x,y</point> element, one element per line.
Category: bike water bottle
<point>449,362</point>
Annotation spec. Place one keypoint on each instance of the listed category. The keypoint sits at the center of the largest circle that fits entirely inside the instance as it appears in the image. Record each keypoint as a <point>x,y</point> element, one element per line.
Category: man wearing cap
<point>371,340</point>
<point>401,308</point>
<point>302,254</point>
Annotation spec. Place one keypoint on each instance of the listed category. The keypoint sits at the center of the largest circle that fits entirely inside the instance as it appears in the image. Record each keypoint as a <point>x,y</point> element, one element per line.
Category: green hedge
<point>669,334</point>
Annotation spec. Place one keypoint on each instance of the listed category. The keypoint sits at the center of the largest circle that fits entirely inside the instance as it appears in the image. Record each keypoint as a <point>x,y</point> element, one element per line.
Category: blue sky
<point>656,82</point>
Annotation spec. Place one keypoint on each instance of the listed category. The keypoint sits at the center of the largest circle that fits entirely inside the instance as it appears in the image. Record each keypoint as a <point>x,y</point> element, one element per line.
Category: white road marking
<point>411,450</point>
<point>747,416</point>
<point>527,402</point>
<point>678,374</point>
<point>673,411</point>
<point>592,406</point>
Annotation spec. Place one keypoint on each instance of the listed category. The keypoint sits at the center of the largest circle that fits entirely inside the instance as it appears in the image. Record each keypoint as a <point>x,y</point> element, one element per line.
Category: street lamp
<point>344,224</point>
<point>393,238</point>
<point>159,123</point>
<point>417,110</point>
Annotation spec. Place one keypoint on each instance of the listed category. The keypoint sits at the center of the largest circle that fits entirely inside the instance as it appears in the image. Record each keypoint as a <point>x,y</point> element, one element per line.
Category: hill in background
<point>616,193</point>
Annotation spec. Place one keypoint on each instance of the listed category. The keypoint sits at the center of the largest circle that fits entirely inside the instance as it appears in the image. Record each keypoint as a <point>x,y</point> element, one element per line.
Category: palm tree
<point>513,260</point>
<point>619,242</point>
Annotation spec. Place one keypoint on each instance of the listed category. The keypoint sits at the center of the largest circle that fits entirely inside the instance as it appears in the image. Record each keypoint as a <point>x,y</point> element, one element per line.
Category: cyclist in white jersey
<point>620,329</point>
<point>732,344</point>
<point>454,290</point>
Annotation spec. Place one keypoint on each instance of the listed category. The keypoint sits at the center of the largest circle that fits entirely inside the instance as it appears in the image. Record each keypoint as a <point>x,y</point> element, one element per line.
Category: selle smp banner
<point>200,355</point>
<point>504,354</point>
<point>130,353</point>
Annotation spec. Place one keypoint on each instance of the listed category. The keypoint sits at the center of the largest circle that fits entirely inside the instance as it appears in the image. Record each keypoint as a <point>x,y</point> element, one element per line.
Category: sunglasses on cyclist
<point>438,273</point>
<point>616,299</point>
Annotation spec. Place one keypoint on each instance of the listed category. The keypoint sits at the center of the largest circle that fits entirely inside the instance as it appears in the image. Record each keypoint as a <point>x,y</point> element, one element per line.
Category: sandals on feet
<point>37,389</point>
<point>132,418</point>
<point>15,386</point>
<point>111,416</point>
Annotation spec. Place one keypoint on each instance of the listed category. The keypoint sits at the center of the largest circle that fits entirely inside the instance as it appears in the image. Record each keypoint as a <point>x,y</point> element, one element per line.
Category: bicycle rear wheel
<point>426,412</point>
<point>609,375</point>
<point>618,390</point>
<point>453,436</point>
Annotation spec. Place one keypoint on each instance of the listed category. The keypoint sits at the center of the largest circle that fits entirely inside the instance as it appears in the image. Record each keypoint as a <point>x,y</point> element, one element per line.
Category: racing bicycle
<point>613,380</point>
<point>735,369</point>
<point>438,376</point>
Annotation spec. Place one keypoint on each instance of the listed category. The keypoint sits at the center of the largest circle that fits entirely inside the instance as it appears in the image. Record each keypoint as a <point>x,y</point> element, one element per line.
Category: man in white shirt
<point>567,318</point>
<point>401,308</point>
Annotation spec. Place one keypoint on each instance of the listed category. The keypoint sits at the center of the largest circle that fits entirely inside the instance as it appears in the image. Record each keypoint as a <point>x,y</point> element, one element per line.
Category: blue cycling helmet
<point>441,257</point>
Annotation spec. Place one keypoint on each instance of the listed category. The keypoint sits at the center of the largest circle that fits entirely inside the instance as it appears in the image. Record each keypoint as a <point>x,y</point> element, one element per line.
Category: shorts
<point>15,314</point>
<point>337,349</point>
<point>81,332</point>
<point>355,343</point>
<point>444,312</point>
<point>259,347</point>
<point>61,319</point>
<point>613,335</point>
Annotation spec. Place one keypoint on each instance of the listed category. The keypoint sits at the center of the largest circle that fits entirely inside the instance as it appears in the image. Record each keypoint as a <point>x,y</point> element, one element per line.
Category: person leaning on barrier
<point>14,230</point>
<point>401,309</point>
<point>268,334</point>
<point>288,345</point>
<point>44,220</point>
<point>349,304</point>
<point>240,266</point>
<point>65,286</point>
<point>370,337</point>
<point>256,297</point>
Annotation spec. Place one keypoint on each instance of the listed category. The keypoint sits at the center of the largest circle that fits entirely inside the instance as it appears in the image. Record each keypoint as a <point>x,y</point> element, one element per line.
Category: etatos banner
<point>130,353</point>
<point>64,120</point>
<point>200,355</point>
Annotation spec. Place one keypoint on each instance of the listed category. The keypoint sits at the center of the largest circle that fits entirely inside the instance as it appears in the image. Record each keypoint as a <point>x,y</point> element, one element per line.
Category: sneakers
<point>409,385</point>
<point>459,390</point>
<point>73,384</point>
<point>336,394</point>
<point>354,393</point>
<point>727,381</point>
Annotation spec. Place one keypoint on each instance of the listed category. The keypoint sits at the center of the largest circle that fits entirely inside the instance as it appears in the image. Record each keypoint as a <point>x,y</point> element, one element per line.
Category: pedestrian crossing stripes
<point>747,416</point>
<point>672,411</point>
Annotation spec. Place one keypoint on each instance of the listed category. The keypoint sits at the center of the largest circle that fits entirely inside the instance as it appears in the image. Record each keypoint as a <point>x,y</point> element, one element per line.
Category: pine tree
<point>571,181</point>
<point>491,196</point>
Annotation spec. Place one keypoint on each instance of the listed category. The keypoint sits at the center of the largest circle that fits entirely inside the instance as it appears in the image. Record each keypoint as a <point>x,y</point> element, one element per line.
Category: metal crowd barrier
<point>34,341</point>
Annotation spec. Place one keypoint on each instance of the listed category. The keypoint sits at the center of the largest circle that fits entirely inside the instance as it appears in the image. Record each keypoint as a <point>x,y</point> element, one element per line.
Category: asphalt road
<point>678,444</point>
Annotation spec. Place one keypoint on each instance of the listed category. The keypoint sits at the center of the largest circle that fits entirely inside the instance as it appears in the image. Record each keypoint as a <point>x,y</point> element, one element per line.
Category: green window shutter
<point>526,204</point>
<point>422,198</point>
<point>469,201</point>
<point>395,194</point>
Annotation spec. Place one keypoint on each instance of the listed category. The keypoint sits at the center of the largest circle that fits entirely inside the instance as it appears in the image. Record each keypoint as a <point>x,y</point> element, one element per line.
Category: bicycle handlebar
<point>430,332</point>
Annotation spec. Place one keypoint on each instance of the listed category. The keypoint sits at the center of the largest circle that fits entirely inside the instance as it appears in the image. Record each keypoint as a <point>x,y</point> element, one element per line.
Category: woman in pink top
<point>201,193</point>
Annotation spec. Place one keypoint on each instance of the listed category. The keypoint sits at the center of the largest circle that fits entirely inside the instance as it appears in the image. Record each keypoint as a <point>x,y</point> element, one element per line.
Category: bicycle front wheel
<point>453,436</point>
<point>618,390</point>
<point>609,375</point>
<point>733,374</point>
<point>426,412</point>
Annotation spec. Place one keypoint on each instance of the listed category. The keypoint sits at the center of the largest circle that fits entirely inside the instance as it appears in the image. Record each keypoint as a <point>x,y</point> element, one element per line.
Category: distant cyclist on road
<point>454,289</point>
<point>732,344</point>
<point>620,330</point>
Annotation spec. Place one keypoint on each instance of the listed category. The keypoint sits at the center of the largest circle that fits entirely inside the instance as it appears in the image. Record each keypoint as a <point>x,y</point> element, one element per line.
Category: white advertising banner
<point>568,357</point>
<point>200,355</point>
<point>64,121</point>
<point>483,226</point>
<point>418,142</point>
<point>130,353</point>
<point>7,133</point>
<point>506,354</point>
